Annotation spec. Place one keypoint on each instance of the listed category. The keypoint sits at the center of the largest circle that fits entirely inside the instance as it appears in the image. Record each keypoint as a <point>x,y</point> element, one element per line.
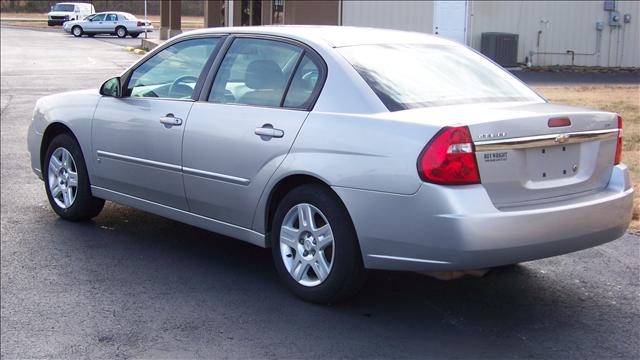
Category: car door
<point>94,24</point>
<point>137,139</point>
<point>242,130</point>
<point>109,24</point>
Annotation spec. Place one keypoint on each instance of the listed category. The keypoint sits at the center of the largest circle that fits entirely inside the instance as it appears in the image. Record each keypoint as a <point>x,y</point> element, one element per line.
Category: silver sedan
<point>116,23</point>
<point>342,149</point>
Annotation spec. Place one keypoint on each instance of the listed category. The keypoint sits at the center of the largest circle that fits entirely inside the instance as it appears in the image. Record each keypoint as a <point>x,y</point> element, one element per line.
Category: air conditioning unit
<point>500,47</point>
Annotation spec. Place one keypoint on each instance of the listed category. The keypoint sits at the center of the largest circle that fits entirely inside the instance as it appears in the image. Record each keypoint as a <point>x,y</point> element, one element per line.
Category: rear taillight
<point>619,144</point>
<point>449,158</point>
<point>140,23</point>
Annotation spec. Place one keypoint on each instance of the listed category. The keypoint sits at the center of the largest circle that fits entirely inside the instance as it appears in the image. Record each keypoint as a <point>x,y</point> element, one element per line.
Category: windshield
<point>407,76</point>
<point>63,7</point>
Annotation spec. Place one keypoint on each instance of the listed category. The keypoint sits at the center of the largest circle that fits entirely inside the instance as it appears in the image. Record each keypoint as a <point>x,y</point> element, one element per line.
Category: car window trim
<point>306,49</point>
<point>198,87</point>
<point>290,80</point>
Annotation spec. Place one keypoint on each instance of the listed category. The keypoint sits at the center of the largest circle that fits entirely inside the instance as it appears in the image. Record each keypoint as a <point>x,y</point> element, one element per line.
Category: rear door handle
<point>267,131</point>
<point>171,120</point>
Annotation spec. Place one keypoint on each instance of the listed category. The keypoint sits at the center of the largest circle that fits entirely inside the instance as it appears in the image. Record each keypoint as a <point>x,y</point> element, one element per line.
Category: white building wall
<point>565,25</point>
<point>400,15</point>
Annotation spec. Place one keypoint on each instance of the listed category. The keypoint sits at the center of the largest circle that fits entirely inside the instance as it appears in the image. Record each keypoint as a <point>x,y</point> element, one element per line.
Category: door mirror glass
<point>111,87</point>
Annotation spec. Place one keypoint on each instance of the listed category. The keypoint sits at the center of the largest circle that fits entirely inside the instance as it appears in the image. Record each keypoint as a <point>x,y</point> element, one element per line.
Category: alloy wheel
<point>63,178</point>
<point>306,245</point>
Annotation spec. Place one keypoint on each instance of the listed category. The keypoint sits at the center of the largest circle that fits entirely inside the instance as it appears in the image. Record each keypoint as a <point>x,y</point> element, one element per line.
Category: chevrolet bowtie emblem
<point>562,138</point>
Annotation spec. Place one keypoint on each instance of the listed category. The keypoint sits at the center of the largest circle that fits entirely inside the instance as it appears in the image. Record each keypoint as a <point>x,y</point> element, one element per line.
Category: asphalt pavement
<point>562,78</point>
<point>132,284</point>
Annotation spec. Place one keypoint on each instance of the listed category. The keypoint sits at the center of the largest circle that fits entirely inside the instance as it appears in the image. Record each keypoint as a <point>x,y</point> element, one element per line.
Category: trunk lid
<point>523,160</point>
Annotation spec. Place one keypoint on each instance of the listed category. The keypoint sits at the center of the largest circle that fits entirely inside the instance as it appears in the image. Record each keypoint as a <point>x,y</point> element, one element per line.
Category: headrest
<point>263,75</point>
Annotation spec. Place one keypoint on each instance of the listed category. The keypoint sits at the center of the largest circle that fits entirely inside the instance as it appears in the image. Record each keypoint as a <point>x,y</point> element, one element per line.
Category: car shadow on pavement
<point>126,253</point>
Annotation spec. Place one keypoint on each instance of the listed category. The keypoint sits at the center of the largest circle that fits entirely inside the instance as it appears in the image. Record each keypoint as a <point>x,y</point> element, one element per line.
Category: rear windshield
<point>128,16</point>
<point>64,7</point>
<point>408,76</point>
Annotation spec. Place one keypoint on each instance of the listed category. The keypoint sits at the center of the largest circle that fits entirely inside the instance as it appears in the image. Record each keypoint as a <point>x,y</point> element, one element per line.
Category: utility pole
<point>145,19</point>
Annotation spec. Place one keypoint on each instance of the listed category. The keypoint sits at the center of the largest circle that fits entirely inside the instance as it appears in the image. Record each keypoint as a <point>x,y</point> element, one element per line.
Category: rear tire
<point>121,32</point>
<point>324,273</point>
<point>66,181</point>
<point>77,31</point>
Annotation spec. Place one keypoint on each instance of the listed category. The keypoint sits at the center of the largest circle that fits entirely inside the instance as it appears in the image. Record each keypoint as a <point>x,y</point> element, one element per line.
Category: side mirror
<point>111,88</point>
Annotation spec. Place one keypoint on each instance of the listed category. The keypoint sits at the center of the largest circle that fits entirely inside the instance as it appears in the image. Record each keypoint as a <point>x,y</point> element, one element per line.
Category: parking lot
<point>132,284</point>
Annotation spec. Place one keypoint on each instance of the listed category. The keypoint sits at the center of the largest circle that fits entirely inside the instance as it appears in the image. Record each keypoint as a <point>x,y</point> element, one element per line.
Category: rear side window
<point>254,72</point>
<point>111,17</point>
<point>304,84</point>
<point>407,76</point>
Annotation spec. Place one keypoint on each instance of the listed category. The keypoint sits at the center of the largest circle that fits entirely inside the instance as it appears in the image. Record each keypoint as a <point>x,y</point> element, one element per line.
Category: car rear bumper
<point>140,29</point>
<point>458,228</point>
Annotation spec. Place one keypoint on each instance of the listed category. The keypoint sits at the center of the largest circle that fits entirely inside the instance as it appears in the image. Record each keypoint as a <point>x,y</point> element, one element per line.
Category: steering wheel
<point>182,79</point>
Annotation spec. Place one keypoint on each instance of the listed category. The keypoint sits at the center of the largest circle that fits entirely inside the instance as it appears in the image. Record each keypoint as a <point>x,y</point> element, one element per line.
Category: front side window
<point>406,76</point>
<point>254,72</point>
<point>97,17</point>
<point>173,72</point>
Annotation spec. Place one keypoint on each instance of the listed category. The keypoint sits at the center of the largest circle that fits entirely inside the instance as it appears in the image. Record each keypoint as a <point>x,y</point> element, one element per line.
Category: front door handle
<point>267,131</point>
<point>171,120</point>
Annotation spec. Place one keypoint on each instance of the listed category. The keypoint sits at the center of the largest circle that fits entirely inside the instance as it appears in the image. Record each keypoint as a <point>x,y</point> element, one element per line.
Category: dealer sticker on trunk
<point>494,157</point>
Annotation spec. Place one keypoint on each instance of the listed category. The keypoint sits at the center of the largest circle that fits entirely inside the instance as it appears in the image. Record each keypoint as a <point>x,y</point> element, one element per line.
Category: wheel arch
<point>54,129</point>
<point>282,188</point>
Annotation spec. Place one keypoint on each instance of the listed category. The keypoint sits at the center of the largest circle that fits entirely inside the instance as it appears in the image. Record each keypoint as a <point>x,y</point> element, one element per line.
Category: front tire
<point>77,31</point>
<point>134,35</point>
<point>121,32</point>
<point>67,181</point>
<point>315,247</point>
